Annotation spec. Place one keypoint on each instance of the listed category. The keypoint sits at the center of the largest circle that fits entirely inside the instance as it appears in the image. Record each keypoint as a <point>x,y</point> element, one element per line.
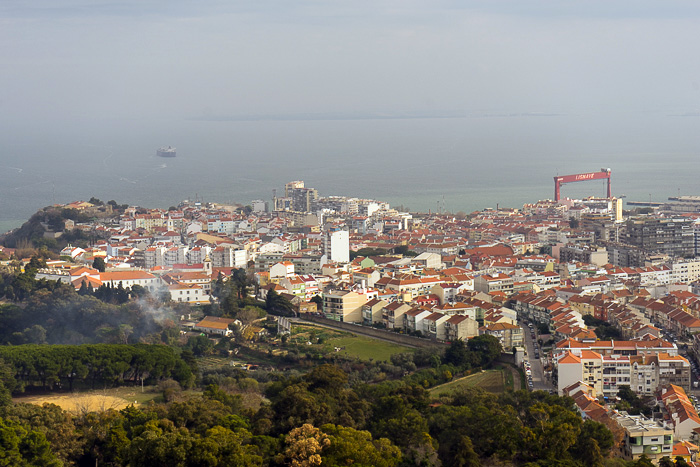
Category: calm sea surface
<point>470,163</point>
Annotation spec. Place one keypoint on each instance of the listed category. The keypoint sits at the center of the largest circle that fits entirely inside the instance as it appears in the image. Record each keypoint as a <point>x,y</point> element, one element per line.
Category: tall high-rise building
<point>301,198</point>
<point>289,187</point>
<point>336,246</point>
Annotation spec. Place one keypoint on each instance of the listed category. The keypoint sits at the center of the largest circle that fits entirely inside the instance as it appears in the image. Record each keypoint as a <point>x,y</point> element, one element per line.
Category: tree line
<point>97,365</point>
<point>319,419</point>
<point>330,415</point>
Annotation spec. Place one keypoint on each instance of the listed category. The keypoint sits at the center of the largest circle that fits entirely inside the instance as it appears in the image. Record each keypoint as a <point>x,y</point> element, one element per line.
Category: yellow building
<point>344,306</point>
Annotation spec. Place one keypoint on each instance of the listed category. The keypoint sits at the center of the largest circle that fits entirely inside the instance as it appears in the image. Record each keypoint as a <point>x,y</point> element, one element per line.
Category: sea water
<point>450,164</point>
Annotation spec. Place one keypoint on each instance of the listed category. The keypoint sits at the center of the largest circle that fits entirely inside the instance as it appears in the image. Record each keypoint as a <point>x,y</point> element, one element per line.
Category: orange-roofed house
<point>372,311</point>
<point>570,370</point>
<point>369,275</point>
<point>215,325</point>
<point>413,319</point>
<point>488,283</point>
<point>588,367</point>
<point>429,300</point>
<point>686,450</point>
<point>393,315</point>
<point>294,285</point>
<point>509,335</point>
<point>679,411</point>
<point>673,370</point>
<point>189,277</point>
<point>584,335</point>
<point>461,327</point>
<point>131,278</point>
<point>89,282</point>
<point>434,326</point>
<point>81,271</point>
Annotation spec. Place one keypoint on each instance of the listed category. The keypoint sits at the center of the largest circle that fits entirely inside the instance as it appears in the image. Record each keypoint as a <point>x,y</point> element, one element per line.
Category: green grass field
<point>489,380</point>
<point>365,348</point>
<point>351,345</point>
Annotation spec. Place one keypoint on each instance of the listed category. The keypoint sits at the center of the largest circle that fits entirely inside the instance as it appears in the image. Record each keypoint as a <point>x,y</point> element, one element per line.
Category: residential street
<point>538,379</point>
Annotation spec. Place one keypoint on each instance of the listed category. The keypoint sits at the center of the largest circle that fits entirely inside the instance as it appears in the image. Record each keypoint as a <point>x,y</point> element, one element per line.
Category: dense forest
<point>315,419</point>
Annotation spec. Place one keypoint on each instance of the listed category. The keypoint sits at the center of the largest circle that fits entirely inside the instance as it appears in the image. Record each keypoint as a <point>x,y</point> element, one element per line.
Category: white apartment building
<point>336,246</point>
<point>685,271</point>
<point>644,437</point>
<point>224,225</point>
<point>188,293</point>
<point>644,374</point>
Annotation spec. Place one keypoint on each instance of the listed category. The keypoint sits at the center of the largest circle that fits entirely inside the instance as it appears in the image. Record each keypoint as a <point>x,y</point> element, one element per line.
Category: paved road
<point>694,376</point>
<point>538,379</point>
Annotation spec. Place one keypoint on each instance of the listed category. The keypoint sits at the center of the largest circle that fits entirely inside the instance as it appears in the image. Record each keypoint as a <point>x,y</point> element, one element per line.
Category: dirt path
<point>517,382</point>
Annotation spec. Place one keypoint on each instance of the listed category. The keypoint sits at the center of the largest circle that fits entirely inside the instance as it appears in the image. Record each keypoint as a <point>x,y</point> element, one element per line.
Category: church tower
<point>207,265</point>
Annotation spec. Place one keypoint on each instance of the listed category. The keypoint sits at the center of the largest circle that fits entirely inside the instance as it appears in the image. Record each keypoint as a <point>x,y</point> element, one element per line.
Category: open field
<point>489,380</point>
<point>365,348</point>
<point>95,401</point>
<point>316,338</point>
<point>78,402</point>
<point>308,333</point>
<point>351,345</point>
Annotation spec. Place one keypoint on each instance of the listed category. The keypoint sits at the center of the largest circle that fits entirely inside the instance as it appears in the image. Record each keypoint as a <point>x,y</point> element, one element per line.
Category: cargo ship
<point>166,152</point>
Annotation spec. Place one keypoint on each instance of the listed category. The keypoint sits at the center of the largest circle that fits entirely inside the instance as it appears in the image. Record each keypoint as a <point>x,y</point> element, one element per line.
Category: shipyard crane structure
<point>560,180</point>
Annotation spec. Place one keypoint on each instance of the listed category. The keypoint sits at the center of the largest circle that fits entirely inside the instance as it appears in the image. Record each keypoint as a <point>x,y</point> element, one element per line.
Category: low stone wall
<point>401,339</point>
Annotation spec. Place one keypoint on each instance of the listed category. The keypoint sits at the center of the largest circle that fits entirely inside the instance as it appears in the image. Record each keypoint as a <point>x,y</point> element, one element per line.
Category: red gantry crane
<point>560,180</point>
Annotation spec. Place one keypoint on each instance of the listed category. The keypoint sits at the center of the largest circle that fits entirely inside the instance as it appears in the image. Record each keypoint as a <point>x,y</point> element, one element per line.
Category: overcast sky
<point>74,59</point>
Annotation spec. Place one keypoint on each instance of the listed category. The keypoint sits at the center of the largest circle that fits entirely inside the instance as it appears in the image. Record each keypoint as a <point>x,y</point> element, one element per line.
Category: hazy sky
<point>62,59</point>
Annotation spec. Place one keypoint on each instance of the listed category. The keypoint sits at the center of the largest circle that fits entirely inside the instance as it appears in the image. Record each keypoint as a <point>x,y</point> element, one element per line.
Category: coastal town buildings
<point>557,266</point>
<point>595,300</point>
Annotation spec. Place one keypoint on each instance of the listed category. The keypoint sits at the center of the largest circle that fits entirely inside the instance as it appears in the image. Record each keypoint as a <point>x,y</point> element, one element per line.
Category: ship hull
<point>166,152</point>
